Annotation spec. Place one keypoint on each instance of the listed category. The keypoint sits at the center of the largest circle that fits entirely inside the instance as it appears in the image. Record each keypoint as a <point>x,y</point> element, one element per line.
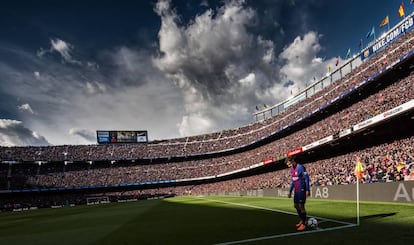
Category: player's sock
<point>298,211</point>
<point>303,217</point>
<point>300,222</point>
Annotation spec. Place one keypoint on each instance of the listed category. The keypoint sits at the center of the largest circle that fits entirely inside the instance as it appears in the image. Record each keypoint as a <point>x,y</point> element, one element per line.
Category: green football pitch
<point>210,220</point>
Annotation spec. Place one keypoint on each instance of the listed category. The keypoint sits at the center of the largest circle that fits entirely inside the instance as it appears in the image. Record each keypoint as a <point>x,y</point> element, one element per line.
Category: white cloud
<point>195,124</point>
<point>248,81</point>
<point>301,63</point>
<point>64,49</point>
<point>26,107</point>
<point>13,132</point>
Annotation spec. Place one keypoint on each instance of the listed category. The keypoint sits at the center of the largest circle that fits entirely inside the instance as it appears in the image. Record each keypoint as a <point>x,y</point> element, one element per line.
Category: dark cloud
<point>13,132</point>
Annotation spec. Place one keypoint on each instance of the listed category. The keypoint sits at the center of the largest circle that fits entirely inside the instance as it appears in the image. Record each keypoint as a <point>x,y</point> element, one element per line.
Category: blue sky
<point>174,68</point>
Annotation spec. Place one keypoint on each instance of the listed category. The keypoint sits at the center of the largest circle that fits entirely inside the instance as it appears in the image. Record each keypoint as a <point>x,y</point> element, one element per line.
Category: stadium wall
<point>401,192</point>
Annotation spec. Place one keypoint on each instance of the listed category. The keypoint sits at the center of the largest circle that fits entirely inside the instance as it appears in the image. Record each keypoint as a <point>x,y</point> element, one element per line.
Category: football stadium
<point>231,186</point>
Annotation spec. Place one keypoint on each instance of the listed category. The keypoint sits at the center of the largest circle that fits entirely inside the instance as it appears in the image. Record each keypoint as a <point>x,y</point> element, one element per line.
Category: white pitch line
<point>285,235</point>
<point>346,224</point>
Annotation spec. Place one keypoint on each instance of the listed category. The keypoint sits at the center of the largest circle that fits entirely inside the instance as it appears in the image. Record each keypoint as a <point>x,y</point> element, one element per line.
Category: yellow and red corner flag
<point>359,170</point>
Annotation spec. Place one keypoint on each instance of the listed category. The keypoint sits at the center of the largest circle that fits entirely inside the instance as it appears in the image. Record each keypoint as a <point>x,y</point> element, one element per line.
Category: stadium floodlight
<point>90,162</point>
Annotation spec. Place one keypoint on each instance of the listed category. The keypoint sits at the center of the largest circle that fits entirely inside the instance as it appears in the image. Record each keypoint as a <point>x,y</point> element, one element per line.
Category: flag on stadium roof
<point>385,21</point>
<point>401,10</point>
<point>348,53</point>
<point>371,32</point>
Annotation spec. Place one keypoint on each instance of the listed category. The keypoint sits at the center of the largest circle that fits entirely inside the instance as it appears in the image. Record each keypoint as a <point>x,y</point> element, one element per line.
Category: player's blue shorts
<point>299,197</point>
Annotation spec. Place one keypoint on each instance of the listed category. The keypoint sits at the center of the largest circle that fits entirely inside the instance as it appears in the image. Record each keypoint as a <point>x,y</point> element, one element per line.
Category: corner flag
<point>359,170</point>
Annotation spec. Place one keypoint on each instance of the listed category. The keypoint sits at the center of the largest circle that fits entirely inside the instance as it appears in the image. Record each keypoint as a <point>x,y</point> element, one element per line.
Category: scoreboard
<point>108,137</point>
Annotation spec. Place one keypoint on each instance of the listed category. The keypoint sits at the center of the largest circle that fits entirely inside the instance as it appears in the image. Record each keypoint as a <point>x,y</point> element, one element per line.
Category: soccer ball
<point>312,223</point>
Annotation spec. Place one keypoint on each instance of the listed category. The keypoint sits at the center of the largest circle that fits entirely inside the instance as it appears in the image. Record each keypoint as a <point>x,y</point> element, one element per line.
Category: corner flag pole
<point>358,173</point>
<point>357,200</point>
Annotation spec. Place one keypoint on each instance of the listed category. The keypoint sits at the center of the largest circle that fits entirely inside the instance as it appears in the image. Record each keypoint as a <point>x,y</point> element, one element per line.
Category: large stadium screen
<point>108,137</point>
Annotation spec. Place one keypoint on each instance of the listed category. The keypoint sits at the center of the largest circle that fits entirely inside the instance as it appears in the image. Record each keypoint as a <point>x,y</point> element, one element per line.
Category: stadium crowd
<point>388,162</point>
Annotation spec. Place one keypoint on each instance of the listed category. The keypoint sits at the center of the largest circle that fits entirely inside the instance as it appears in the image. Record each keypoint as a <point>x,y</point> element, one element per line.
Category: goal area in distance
<point>92,200</point>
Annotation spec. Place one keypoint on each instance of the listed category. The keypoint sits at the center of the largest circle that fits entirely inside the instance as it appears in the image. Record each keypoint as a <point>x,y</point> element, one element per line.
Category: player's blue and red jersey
<point>300,179</point>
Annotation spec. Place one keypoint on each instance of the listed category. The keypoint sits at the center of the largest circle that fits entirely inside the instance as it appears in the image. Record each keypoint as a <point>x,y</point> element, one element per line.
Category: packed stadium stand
<point>367,112</point>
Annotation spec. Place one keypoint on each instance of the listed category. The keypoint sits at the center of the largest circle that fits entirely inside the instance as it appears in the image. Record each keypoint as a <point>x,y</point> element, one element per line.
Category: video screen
<point>125,136</point>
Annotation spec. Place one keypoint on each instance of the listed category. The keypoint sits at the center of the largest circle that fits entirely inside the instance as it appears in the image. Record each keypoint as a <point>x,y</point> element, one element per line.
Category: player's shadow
<point>371,217</point>
<point>377,216</point>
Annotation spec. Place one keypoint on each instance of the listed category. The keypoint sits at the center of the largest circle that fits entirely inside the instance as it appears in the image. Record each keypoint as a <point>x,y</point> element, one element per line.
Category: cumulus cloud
<point>13,132</point>
<point>301,60</point>
<point>216,61</point>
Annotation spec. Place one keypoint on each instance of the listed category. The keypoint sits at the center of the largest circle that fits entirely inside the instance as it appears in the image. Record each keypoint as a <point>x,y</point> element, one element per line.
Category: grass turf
<point>210,220</point>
